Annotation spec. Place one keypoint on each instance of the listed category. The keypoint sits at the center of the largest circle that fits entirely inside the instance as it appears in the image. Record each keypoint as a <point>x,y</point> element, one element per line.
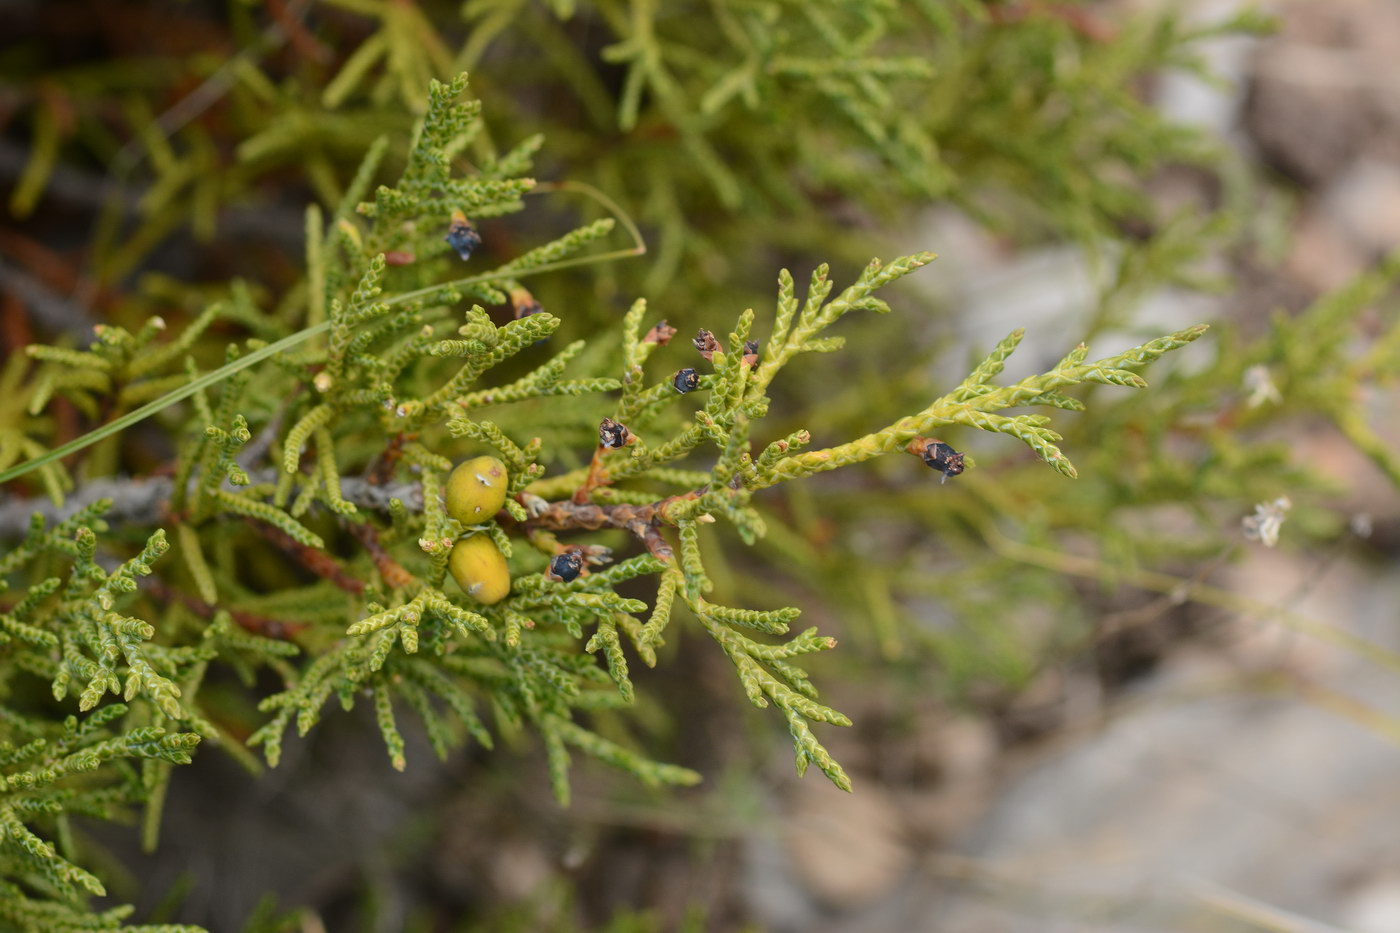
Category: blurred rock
<point>1214,106</point>
<point>960,748</point>
<point>1365,201</point>
<point>1222,773</point>
<point>957,757</point>
<point>1309,132</point>
<point>847,849</point>
<point>1375,906</point>
<point>1324,89</point>
<point>1361,485</point>
<point>1322,257</point>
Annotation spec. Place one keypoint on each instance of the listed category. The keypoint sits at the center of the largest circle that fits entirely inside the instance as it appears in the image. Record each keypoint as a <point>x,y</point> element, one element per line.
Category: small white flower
<point>1266,522</point>
<point>1260,386</point>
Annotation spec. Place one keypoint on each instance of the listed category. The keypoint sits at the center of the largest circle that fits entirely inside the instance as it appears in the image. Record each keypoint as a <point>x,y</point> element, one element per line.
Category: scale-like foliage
<point>304,499</point>
<point>71,633</point>
<point>374,404</point>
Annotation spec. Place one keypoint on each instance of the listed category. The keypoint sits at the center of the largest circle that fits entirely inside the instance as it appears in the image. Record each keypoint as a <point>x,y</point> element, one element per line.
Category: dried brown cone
<point>750,357</point>
<point>660,334</point>
<point>523,303</point>
<point>706,343</point>
<point>614,434</point>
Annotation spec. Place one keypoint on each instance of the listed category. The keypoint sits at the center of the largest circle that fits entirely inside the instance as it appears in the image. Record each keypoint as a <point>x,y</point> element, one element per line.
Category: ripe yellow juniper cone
<point>479,569</point>
<point>476,490</point>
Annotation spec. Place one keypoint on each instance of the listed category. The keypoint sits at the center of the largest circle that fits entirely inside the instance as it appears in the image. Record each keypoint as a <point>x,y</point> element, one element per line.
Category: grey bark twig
<point>141,500</point>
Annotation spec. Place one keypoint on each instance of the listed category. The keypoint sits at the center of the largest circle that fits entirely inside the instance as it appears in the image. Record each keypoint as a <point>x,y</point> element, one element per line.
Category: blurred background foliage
<point>154,156</point>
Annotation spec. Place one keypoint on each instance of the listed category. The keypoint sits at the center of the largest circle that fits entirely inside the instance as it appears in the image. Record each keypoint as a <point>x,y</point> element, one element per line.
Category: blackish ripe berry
<point>687,380</point>
<point>565,567</point>
<point>943,458</point>
<point>462,236</point>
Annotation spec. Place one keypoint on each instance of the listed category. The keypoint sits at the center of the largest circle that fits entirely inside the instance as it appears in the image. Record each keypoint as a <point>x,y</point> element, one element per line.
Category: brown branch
<point>612,435</point>
<point>597,476</point>
<point>381,468</point>
<point>644,521</point>
<point>296,33</point>
<point>390,570</point>
<point>318,562</point>
<point>258,625</point>
<point>15,332</point>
